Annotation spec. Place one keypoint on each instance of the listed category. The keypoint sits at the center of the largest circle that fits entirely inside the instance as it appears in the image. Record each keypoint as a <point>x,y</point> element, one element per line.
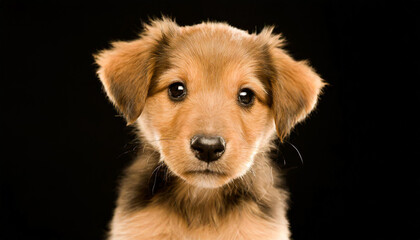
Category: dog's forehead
<point>214,41</point>
<point>214,51</point>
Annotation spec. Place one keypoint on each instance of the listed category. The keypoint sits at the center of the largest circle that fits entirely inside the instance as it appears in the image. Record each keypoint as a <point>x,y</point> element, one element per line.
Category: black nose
<point>208,148</point>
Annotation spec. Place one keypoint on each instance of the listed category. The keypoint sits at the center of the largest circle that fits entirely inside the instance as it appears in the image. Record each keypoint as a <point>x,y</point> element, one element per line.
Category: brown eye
<point>177,91</point>
<point>246,97</point>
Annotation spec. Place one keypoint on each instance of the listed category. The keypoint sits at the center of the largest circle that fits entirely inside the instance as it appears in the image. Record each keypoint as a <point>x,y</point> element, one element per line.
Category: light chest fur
<point>252,207</point>
<point>154,223</point>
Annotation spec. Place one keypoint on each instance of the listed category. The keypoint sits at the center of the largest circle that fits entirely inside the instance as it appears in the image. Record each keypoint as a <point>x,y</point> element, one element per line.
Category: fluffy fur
<point>161,197</point>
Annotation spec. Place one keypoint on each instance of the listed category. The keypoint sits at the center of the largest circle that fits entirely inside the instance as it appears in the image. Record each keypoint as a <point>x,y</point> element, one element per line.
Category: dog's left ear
<point>295,85</point>
<point>126,70</point>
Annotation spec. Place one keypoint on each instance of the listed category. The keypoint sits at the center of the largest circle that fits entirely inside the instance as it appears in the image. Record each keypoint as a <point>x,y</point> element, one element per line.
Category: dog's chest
<point>156,223</point>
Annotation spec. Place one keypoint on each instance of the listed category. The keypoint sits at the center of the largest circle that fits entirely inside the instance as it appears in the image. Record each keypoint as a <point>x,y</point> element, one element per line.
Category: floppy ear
<point>126,70</point>
<point>295,87</point>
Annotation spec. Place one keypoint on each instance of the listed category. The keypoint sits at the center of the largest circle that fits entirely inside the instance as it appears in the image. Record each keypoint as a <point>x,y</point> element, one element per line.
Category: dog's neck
<point>153,184</point>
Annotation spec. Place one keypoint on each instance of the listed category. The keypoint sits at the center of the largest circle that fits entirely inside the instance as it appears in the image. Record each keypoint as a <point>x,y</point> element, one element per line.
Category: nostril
<point>197,148</point>
<point>221,145</point>
<point>196,144</point>
<point>219,150</point>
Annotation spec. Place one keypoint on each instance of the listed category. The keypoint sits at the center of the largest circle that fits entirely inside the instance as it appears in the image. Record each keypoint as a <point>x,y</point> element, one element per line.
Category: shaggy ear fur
<point>127,69</point>
<point>295,87</point>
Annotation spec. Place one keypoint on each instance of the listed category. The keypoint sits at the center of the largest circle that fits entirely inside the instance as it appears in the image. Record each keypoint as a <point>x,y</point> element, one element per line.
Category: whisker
<point>300,156</point>
<point>166,175</point>
<point>156,175</point>
<point>127,151</point>
<point>163,139</point>
<point>154,183</point>
<point>250,147</point>
<point>147,160</point>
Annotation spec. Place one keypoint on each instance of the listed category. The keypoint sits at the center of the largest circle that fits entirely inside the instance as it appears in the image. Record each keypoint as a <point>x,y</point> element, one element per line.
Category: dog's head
<point>208,97</point>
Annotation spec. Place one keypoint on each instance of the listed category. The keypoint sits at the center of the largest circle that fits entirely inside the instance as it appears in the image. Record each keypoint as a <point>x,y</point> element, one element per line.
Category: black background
<point>64,147</point>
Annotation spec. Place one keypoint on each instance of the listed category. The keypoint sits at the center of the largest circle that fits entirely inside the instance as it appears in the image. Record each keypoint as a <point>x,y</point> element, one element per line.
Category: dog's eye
<point>177,91</point>
<point>246,97</point>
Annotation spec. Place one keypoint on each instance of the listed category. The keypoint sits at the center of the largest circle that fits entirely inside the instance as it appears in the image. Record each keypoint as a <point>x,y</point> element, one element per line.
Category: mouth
<point>206,178</point>
<point>207,172</point>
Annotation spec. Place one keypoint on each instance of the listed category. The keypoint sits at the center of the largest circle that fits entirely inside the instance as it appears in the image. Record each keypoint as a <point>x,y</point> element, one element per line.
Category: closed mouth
<point>206,172</point>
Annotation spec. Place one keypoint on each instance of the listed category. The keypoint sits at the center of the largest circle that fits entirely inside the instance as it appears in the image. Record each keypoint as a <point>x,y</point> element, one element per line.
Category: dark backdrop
<point>64,147</point>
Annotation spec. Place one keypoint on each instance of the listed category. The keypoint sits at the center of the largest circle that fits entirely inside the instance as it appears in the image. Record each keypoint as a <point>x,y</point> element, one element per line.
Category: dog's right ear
<point>126,70</point>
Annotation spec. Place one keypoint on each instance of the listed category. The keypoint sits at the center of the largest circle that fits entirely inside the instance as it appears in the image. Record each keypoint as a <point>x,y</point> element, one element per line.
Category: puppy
<point>207,100</point>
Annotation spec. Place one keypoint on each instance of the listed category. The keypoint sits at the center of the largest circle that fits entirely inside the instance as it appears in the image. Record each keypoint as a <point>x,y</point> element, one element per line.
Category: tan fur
<point>214,61</point>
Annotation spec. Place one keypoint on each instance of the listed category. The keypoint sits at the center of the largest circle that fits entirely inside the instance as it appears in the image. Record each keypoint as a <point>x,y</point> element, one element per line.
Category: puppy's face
<point>209,96</point>
<point>209,92</point>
